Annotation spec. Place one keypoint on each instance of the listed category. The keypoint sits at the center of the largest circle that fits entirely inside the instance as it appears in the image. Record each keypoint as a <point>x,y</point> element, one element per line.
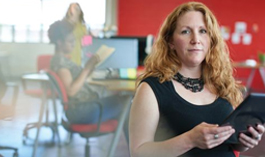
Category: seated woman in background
<point>188,85</point>
<point>84,110</point>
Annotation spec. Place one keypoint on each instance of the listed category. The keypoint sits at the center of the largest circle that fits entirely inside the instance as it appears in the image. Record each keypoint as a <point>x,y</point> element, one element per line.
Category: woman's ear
<point>171,45</point>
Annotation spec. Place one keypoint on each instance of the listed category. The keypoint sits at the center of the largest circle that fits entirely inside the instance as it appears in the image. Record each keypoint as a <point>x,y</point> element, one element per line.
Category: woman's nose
<point>195,38</point>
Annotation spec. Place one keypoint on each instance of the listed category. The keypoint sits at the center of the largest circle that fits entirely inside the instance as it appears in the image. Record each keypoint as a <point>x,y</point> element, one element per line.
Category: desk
<point>118,85</point>
<point>115,85</point>
<point>258,66</point>
<point>44,80</point>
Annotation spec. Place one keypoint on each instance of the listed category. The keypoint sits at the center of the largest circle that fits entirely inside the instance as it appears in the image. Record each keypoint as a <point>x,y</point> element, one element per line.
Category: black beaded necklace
<point>192,84</point>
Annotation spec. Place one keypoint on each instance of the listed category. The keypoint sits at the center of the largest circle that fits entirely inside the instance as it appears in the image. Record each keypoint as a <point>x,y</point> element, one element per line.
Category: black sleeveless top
<point>181,116</point>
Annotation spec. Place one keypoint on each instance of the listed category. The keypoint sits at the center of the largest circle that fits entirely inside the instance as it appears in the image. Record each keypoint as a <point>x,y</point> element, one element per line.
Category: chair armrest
<point>100,115</point>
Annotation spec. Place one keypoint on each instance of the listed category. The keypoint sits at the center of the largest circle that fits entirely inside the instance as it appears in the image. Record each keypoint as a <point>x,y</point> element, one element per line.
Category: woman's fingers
<point>222,136</point>
<point>253,139</point>
<point>211,135</point>
<point>256,133</point>
<point>247,141</point>
<point>260,128</point>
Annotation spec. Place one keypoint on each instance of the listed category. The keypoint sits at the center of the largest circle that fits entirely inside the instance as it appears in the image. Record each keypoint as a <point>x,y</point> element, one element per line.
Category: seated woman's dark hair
<point>59,30</point>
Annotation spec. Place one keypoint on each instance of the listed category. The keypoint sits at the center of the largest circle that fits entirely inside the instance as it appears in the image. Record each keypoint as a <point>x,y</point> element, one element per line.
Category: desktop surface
<point>115,74</point>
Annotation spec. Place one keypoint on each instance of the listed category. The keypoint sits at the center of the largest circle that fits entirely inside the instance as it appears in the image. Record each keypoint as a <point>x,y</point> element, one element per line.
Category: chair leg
<point>41,114</point>
<point>28,127</point>
<point>87,148</point>
<point>56,120</point>
<point>15,154</point>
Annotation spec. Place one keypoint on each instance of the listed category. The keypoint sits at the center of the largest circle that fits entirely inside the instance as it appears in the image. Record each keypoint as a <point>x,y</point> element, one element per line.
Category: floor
<point>27,110</point>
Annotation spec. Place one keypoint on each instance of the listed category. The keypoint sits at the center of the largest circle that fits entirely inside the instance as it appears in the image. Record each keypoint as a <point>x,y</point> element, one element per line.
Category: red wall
<point>143,17</point>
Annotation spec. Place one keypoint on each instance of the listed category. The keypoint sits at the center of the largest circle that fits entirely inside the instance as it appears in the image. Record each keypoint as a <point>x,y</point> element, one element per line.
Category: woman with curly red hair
<point>186,90</point>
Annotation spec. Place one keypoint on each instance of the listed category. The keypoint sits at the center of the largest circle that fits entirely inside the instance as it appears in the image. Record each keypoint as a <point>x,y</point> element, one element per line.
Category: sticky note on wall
<point>86,40</point>
<point>131,73</point>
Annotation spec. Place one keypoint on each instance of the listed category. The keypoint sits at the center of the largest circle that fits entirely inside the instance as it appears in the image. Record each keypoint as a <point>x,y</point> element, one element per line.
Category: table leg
<point>56,118</point>
<point>119,129</point>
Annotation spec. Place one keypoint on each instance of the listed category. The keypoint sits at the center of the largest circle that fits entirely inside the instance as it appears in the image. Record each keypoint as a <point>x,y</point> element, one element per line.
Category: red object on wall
<point>143,17</point>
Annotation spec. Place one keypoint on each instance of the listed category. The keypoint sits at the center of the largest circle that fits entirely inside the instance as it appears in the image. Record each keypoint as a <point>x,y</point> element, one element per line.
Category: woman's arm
<point>144,117</point>
<point>73,86</point>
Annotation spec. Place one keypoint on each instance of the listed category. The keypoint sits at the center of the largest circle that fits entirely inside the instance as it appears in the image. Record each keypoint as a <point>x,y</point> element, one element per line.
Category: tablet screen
<point>250,112</point>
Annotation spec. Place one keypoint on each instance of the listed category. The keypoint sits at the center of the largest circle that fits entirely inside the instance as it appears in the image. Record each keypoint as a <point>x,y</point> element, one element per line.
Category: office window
<point>6,33</point>
<point>19,12</point>
<point>28,20</point>
<point>20,33</point>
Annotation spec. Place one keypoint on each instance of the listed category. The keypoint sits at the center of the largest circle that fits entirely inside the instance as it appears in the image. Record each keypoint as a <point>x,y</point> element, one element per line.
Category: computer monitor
<point>141,46</point>
<point>124,56</point>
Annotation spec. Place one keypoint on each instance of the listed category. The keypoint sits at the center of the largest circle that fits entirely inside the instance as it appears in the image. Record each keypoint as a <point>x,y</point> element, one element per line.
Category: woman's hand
<point>92,62</point>
<point>207,136</point>
<point>257,133</point>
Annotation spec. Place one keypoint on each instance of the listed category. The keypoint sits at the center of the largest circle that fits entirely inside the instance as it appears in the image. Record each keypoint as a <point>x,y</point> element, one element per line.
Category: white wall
<point>20,58</point>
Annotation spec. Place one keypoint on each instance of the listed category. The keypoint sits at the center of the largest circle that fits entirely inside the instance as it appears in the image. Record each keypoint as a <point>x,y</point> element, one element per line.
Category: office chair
<point>7,111</point>
<point>43,62</point>
<point>84,130</point>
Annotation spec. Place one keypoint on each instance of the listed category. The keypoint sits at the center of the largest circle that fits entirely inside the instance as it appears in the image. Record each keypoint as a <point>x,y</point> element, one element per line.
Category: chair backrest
<point>43,61</point>
<point>58,85</point>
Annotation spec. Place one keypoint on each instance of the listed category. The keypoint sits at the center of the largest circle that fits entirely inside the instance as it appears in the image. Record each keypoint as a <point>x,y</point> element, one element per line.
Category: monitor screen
<point>141,46</point>
<point>124,56</point>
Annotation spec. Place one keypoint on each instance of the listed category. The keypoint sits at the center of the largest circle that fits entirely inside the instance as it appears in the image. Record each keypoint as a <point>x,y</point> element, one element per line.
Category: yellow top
<point>79,31</point>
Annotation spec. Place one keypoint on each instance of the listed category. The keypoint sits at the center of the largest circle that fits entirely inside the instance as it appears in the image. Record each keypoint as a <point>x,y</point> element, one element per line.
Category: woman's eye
<point>203,31</point>
<point>185,32</point>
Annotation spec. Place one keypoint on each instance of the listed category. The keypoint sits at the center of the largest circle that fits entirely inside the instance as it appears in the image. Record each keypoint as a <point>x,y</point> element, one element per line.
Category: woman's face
<point>191,40</point>
<point>76,10</point>
<point>68,44</point>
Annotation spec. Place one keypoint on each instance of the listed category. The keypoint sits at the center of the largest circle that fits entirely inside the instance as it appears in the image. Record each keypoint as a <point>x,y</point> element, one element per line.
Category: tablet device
<point>250,112</point>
